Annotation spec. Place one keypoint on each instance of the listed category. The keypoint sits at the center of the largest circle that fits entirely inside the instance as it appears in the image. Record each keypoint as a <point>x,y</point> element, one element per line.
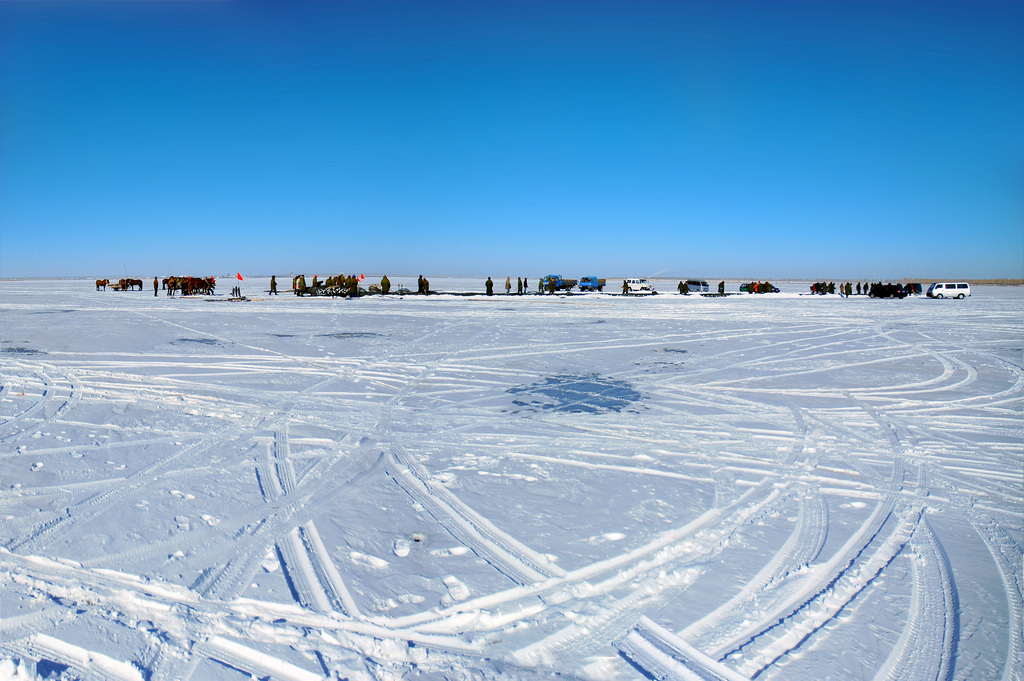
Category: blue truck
<point>561,284</point>
<point>591,284</point>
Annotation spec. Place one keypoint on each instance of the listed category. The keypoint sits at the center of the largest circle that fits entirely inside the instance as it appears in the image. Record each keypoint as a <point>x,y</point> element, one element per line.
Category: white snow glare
<point>595,486</point>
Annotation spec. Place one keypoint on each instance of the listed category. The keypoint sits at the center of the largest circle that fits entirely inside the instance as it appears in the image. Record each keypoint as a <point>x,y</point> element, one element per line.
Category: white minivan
<point>639,286</point>
<point>697,285</point>
<point>958,289</point>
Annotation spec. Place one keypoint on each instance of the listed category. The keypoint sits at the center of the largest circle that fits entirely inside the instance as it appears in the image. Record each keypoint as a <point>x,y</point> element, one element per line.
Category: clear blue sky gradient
<point>824,139</point>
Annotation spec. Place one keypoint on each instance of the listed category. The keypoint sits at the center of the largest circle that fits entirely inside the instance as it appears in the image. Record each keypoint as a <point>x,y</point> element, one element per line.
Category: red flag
<point>239,276</point>
<point>361,277</point>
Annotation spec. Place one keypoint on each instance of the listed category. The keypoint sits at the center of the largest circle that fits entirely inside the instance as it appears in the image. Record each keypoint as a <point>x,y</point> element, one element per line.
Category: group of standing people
<point>340,285</point>
<point>846,289</point>
<point>520,286</point>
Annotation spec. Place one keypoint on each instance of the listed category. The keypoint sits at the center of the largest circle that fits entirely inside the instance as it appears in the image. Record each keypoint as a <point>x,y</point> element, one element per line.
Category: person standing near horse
<point>156,286</point>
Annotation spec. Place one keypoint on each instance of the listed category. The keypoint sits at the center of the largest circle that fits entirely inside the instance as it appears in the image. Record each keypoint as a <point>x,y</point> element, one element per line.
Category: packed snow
<point>777,486</point>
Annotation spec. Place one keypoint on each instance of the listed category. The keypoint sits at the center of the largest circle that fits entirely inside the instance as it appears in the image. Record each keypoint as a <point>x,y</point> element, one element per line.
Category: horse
<point>132,283</point>
<point>103,283</point>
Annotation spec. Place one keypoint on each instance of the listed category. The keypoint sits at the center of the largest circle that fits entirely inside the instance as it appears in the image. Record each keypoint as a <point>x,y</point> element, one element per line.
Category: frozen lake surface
<point>446,487</point>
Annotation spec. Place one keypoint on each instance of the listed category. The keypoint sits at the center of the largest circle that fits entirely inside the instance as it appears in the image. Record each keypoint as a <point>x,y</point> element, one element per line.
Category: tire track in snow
<point>926,648</point>
<point>1008,555</point>
<point>663,655</point>
<point>513,559</point>
<point>87,664</point>
<point>797,553</point>
<point>814,607</point>
<point>667,565</point>
<point>253,662</point>
<point>790,599</point>
<point>52,403</point>
<point>99,503</point>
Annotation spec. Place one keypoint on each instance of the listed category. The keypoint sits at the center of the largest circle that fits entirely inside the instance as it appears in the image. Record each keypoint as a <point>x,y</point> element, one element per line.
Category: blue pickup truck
<point>561,284</point>
<point>591,284</point>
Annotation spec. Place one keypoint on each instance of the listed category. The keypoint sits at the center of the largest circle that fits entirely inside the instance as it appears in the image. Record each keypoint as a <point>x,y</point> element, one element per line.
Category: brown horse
<point>103,283</point>
<point>132,283</point>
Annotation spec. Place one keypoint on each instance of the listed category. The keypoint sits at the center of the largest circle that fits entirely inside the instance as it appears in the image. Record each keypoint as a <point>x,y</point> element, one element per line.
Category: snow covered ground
<point>778,486</point>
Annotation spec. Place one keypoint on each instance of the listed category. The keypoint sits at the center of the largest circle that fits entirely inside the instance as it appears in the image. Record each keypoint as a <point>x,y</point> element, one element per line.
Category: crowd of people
<point>874,290</point>
<point>521,284</point>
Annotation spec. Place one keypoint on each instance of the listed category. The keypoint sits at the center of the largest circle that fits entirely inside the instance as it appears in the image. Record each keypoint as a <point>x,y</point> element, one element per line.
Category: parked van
<point>639,286</point>
<point>697,285</point>
<point>949,290</point>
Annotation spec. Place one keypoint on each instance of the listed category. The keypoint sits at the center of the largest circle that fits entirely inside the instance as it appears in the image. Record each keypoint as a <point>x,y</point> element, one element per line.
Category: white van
<point>697,285</point>
<point>638,286</point>
<point>958,289</point>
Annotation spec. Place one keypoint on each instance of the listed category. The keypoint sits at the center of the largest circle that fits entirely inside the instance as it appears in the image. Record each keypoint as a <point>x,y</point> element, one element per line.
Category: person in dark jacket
<point>273,285</point>
<point>519,286</point>
<point>385,284</point>
<point>489,285</point>
<point>721,288</point>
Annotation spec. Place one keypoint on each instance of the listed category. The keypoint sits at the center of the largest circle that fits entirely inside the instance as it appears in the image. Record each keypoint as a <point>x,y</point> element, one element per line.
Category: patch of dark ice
<point>350,334</point>
<point>587,393</point>
<point>22,351</point>
<point>202,341</point>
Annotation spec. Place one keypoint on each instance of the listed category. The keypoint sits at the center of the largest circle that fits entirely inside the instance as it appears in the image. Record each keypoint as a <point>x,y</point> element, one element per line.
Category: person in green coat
<point>385,284</point>
<point>489,285</point>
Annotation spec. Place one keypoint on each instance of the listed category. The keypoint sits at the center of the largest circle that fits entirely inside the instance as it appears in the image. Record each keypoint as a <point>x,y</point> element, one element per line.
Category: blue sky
<point>826,139</point>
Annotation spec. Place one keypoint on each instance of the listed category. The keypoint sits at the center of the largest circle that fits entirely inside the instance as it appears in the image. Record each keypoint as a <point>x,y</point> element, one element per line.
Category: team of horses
<point>121,285</point>
<point>187,286</point>
<point>190,286</point>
